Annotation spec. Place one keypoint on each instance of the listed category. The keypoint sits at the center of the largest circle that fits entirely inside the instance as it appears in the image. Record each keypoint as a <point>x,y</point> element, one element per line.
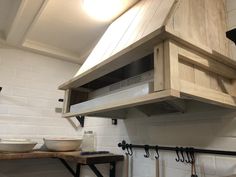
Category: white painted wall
<point>231,8</point>
<point>27,106</point>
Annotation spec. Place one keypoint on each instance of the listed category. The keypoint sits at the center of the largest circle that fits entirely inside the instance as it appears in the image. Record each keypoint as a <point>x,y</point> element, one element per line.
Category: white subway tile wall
<point>29,96</point>
<point>212,128</point>
<point>27,109</point>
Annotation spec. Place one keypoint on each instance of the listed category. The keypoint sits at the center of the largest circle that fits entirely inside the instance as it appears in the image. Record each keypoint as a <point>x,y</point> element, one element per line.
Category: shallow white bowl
<point>62,144</point>
<point>16,145</point>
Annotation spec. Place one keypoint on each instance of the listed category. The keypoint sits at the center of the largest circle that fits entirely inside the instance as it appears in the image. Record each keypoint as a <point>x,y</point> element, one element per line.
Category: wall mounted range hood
<point>154,57</point>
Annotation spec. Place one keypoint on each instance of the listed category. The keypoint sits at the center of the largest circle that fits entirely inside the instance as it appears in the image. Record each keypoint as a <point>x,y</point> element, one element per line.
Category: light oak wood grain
<point>200,93</point>
<point>159,75</point>
<point>190,50</point>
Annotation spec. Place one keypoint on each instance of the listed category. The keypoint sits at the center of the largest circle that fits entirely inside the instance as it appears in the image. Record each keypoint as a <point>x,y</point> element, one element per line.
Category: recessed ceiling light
<point>105,10</point>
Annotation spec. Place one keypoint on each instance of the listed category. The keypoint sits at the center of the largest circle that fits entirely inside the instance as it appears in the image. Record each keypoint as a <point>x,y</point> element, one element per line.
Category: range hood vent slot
<point>131,70</point>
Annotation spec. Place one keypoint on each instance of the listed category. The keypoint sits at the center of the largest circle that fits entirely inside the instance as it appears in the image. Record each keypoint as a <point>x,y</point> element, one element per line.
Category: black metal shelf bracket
<point>81,120</point>
<point>76,173</point>
<point>95,170</point>
<point>68,167</point>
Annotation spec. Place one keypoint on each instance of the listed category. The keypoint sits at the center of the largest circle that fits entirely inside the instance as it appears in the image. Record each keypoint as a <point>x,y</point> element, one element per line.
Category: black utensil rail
<point>184,154</point>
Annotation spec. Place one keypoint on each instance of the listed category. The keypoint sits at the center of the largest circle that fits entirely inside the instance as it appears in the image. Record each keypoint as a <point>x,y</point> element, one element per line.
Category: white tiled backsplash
<point>29,95</point>
<point>27,109</point>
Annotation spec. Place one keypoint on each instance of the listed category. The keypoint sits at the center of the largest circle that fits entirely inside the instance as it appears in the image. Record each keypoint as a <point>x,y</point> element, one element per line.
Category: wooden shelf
<point>69,156</point>
<point>26,155</point>
<point>74,156</point>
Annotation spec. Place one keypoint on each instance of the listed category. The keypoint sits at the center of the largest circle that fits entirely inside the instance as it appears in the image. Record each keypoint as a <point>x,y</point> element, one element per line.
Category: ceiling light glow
<point>104,10</point>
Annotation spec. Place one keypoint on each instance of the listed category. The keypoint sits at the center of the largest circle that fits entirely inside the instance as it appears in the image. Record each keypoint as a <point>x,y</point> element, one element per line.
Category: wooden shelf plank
<point>68,156</point>
<point>26,155</point>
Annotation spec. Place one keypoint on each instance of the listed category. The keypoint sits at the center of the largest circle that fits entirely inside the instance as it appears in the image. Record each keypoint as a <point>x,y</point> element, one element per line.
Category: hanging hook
<point>192,155</point>
<point>182,154</point>
<point>129,149</point>
<point>146,149</point>
<point>177,153</point>
<point>187,154</point>
<point>157,152</point>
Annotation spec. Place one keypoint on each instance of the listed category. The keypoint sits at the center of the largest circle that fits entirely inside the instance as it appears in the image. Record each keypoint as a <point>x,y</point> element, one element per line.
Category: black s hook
<point>157,152</point>
<point>177,153</point>
<point>129,149</point>
<point>188,156</point>
<point>192,156</point>
<point>182,154</point>
<point>146,149</point>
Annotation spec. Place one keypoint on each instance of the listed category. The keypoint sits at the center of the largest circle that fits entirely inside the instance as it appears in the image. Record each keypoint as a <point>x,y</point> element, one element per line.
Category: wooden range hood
<point>182,54</point>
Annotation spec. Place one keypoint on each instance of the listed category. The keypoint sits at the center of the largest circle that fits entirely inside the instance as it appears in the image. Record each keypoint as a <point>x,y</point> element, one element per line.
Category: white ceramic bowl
<point>62,144</point>
<point>16,145</point>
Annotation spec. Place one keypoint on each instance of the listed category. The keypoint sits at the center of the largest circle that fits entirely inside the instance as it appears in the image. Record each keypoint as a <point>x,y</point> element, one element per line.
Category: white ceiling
<point>58,28</point>
<point>7,12</point>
